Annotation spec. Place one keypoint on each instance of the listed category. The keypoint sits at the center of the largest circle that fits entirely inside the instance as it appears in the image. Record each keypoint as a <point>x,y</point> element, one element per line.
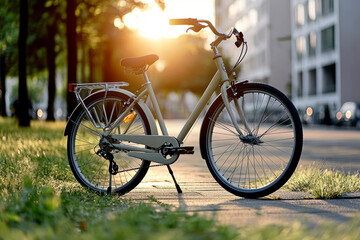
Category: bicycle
<point>251,135</point>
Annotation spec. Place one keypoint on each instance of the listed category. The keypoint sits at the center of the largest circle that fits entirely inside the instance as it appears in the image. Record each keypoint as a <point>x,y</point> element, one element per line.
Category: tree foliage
<point>81,37</point>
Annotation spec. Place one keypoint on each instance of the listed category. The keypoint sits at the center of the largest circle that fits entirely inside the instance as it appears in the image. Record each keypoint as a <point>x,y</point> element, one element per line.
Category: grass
<point>40,199</point>
<point>323,183</point>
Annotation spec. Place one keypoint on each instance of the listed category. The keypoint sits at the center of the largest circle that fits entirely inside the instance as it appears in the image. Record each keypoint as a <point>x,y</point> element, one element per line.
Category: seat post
<point>146,76</point>
<point>155,105</point>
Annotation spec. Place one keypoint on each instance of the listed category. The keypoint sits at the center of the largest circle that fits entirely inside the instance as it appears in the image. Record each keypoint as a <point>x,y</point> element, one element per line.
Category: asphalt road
<point>332,148</point>
<point>327,148</point>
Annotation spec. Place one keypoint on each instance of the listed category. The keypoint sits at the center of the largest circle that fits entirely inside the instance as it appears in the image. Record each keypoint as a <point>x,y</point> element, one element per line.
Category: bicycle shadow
<point>310,211</point>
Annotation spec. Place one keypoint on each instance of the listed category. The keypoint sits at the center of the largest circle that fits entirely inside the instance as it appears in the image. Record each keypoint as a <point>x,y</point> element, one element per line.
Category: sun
<point>153,22</point>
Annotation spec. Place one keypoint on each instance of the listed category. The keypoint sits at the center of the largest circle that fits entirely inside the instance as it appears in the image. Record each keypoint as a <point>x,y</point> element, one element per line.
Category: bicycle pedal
<point>180,150</point>
<point>186,150</point>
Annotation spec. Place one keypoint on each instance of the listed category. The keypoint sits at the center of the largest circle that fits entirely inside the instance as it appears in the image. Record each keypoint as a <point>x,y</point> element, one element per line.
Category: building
<point>266,27</point>
<point>325,54</point>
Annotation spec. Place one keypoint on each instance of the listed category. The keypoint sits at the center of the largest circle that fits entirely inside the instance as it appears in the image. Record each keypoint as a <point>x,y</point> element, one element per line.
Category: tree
<point>51,56</point>
<point>53,16</point>
<point>71,51</point>
<point>3,84</point>
<point>95,22</point>
<point>45,44</point>
<point>23,106</point>
<point>8,40</point>
<point>97,35</point>
<point>197,66</point>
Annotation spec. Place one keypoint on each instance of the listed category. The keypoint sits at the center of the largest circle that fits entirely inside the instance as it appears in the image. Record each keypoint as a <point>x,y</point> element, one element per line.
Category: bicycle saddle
<point>139,62</point>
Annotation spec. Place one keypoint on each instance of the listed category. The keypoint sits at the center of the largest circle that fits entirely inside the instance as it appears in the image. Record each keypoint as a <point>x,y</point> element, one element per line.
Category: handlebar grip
<point>183,21</point>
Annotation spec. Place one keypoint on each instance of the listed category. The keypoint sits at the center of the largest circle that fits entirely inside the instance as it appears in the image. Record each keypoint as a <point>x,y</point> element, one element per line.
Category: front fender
<point>117,93</point>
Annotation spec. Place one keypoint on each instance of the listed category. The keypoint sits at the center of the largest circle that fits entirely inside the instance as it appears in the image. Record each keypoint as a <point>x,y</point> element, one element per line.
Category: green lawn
<point>323,183</point>
<point>40,199</point>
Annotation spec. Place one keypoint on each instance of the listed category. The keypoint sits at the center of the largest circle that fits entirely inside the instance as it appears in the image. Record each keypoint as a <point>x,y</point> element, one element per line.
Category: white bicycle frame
<point>153,143</point>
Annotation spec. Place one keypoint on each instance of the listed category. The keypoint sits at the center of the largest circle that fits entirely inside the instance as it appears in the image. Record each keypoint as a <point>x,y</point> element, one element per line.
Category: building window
<point>300,84</point>
<point>327,7</point>
<point>329,78</point>
<point>328,39</point>
<point>236,8</point>
<point>312,10</point>
<point>300,47</point>
<point>218,18</point>
<point>312,82</point>
<point>299,15</point>
<point>253,17</point>
<point>312,44</point>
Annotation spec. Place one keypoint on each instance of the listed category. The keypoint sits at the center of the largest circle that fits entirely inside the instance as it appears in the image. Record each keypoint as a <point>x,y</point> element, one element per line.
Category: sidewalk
<point>202,194</point>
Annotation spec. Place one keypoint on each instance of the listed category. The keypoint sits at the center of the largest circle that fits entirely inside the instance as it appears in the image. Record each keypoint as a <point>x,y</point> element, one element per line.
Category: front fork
<point>225,85</point>
<point>239,110</point>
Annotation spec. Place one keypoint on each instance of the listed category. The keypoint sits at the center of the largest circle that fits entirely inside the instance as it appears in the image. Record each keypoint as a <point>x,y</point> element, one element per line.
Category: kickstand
<point>176,184</point>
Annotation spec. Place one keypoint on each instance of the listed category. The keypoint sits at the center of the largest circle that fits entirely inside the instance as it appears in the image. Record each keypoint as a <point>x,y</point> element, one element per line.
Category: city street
<point>333,148</point>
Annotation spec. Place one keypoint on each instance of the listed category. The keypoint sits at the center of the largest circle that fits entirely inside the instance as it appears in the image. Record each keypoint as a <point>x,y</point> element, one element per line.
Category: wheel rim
<point>92,169</point>
<point>260,162</point>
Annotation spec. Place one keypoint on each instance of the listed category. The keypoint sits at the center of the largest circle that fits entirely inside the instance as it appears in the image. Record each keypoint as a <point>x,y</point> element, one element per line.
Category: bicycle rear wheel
<point>89,167</point>
<point>265,159</point>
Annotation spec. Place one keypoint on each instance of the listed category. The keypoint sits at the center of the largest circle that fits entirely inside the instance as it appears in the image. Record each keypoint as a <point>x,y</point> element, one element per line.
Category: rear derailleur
<point>113,167</point>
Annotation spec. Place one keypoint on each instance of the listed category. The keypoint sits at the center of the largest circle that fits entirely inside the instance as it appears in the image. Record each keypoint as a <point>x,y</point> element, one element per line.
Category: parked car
<point>349,114</point>
<point>307,116</point>
<point>317,115</point>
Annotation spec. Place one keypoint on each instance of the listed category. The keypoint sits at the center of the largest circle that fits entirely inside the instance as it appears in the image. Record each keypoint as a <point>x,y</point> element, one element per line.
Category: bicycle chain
<point>132,169</point>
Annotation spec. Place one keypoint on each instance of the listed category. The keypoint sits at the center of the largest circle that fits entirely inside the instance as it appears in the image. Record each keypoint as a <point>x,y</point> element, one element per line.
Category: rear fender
<point>100,94</point>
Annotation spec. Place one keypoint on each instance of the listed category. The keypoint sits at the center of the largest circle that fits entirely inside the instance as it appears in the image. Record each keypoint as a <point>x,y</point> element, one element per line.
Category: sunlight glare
<point>152,22</point>
<point>118,23</point>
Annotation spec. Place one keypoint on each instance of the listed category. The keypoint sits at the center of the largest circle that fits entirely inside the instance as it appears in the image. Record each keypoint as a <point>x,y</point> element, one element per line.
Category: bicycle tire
<point>92,170</point>
<point>262,163</point>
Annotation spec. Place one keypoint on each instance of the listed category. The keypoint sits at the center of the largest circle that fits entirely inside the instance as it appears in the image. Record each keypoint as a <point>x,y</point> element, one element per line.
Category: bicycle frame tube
<point>215,81</point>
<point>192,118</point>
<point>155,105</point>
<point>219,79</point>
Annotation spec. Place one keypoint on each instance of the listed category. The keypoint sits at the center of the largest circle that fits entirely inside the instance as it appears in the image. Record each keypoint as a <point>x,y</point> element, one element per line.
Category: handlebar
<point>183,21</point>
<point>196,23</point>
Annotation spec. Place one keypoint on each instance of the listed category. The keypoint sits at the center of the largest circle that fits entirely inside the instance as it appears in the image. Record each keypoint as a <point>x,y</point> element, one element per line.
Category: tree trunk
<point>71,51</point>
<point>50,50</point>
<point>24,101</point>
<point>3,84</point>
<point>107,71</point>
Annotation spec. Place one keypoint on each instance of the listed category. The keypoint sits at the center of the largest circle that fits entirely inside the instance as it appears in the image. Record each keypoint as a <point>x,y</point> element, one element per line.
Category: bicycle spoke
<point>93,170</point>
<point>251,165</point>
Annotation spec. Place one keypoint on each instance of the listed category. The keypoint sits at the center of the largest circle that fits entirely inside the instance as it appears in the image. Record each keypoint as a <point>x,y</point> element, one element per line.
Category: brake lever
<point>196,28</point>
<point>239,39</point>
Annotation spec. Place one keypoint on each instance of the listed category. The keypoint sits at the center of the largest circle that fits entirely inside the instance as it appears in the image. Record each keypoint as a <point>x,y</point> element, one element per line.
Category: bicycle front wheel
<point>91,168</point>
<point>261,161</point>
